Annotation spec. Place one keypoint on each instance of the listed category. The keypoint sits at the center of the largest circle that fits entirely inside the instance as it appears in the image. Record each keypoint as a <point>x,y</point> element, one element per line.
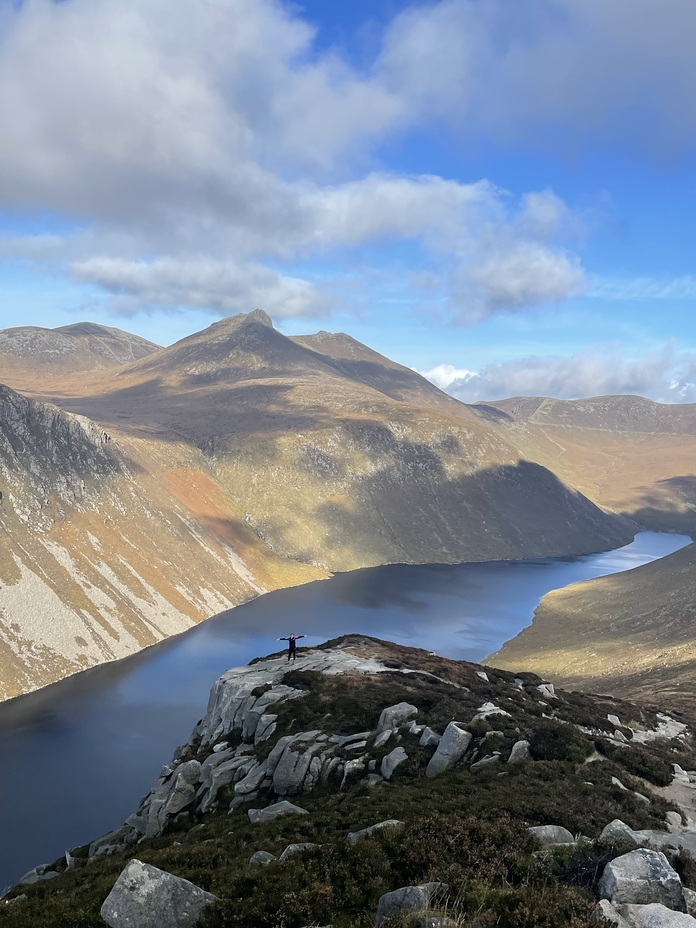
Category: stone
<point>258,816</point>
<point>520,753</point>
<point>352,766</point>
<point>151,898</point>
<point>655,915</point>
<point>107,844</point>
<point>15,899</point>
<point>220,746</point>
<point>392,761</point>
<point>552,835</point>
<point>617,832</point>
<point>642,798</point>
<point>408,899</point>
<point>673,819</point>
<point>617,782</point>
<point>488,708</point>
<point>383,737</point>
<point>261,859</point>
<point>354,836</point>
<point>37,875</point>
<point>251,781</point>
<point>483,675</point>
<point>292,849</point>
<point>690,900</point>
<point>614,720</point>
<point>606,911</point>
<point>373,779</point>
<point>413,728</point>
<point>486,761</point>
<point>619,736</point>
<point>265,728</point>
<point>451,748</point>
<point>393,716</point>
<point>429,738</point>
<point>547,690</point>
<point>641,877</point>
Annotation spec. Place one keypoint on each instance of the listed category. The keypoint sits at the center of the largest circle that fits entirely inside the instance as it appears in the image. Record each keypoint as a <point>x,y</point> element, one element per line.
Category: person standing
<point>292,644</point>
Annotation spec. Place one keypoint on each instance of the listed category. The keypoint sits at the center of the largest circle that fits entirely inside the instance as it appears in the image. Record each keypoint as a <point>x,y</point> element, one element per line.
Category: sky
<point>499,194</point>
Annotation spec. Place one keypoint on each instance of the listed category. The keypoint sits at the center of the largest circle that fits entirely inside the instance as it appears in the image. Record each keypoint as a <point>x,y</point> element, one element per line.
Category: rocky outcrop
<point>407,900</point>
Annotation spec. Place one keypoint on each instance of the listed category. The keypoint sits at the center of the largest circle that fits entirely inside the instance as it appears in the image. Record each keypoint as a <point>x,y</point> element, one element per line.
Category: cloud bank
<point>667,376</point>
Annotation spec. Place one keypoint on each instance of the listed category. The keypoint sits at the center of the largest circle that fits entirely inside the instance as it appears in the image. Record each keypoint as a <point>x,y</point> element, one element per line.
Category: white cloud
<point>444,375</point>
<point>221,286</point>
<point>183,128</point>
<point>668,376</point>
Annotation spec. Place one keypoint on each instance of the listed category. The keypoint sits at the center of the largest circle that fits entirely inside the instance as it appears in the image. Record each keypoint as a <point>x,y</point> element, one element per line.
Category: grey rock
<point>486,761</point>
<point>482,674</point>
<point>383,737</point>
<point>655,915</point>
<point>392,761</point>
<point>393,716</point>
<point>451,748</point>
<point>520,753</point>
<point>293,849</point>
<point>37,875</point>
<point>354,836</point>
<point>220,746</point>
<point>257,816</point>
<point>151,898</point>
<point>408,899</point>
<point>606,911</point>
<point>373,779</point>
<point>619,736</point>
<point>690,900</point>
<point>614,720</point>
<point>547,690</point>
<point>617,782</point>
<point>413,728</point>
<point>552,835</point>
<point>265,728</point>
<point>261,859</point>
<point>15,899</point>
<point>642,798</point>
<point>617,832</point>
<point>252,780</point>
<point>352,767</point>
<point>429,738</point>
<point>108,843</point>
<point>345,740</point>
<point>641,877</point>
<point>673,819</point>
<point>488,708</point>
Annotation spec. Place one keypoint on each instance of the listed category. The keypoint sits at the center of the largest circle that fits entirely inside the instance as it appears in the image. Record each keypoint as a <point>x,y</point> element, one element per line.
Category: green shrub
<point>638,761</point>
<point>551,740</point>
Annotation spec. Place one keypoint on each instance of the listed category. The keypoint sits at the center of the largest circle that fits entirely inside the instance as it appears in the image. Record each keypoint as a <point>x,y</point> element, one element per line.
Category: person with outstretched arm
<point>292,645</point>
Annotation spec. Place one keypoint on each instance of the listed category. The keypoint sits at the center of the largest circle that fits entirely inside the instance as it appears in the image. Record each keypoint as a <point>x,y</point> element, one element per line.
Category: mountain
<point>37,359</point>
<point>312,794</point>
<point>236,461</point>
<point>626,453</point>
<point>632,634</point>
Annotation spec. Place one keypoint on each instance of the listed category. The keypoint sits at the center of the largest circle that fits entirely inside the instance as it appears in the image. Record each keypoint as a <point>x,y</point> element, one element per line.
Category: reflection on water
<point>77,756</point>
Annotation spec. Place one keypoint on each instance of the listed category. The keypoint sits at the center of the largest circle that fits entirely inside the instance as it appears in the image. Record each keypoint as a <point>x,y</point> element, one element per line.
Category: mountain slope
<point>333,463</point>
<point>98,556</point>
<point>626,453</point>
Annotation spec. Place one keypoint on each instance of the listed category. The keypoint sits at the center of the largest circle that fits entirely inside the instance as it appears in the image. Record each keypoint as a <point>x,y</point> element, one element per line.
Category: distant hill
<point>35,359</point>
<point>626,453</point>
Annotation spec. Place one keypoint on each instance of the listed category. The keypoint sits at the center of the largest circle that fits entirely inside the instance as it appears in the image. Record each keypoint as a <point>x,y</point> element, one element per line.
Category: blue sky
<point>498,194</point>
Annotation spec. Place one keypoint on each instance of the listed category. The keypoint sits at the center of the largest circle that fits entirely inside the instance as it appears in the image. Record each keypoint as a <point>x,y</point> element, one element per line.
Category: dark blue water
<point>76,757</point>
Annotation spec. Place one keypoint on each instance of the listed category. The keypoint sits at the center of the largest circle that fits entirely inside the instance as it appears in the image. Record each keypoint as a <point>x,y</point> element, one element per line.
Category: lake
<point>76,757</point>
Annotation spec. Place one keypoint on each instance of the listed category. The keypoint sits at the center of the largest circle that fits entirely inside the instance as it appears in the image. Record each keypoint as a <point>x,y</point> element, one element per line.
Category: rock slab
<point>408,899</point>
<point>641,877</point>
<point>151,898</point>
<point>452,747</point>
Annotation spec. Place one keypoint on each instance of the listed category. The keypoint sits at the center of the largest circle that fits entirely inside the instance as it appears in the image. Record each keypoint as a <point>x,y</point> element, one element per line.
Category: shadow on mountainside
<point>669,505</point>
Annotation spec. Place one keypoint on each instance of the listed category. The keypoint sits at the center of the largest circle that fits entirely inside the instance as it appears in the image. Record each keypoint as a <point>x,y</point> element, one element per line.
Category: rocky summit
<point>374,784</point>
